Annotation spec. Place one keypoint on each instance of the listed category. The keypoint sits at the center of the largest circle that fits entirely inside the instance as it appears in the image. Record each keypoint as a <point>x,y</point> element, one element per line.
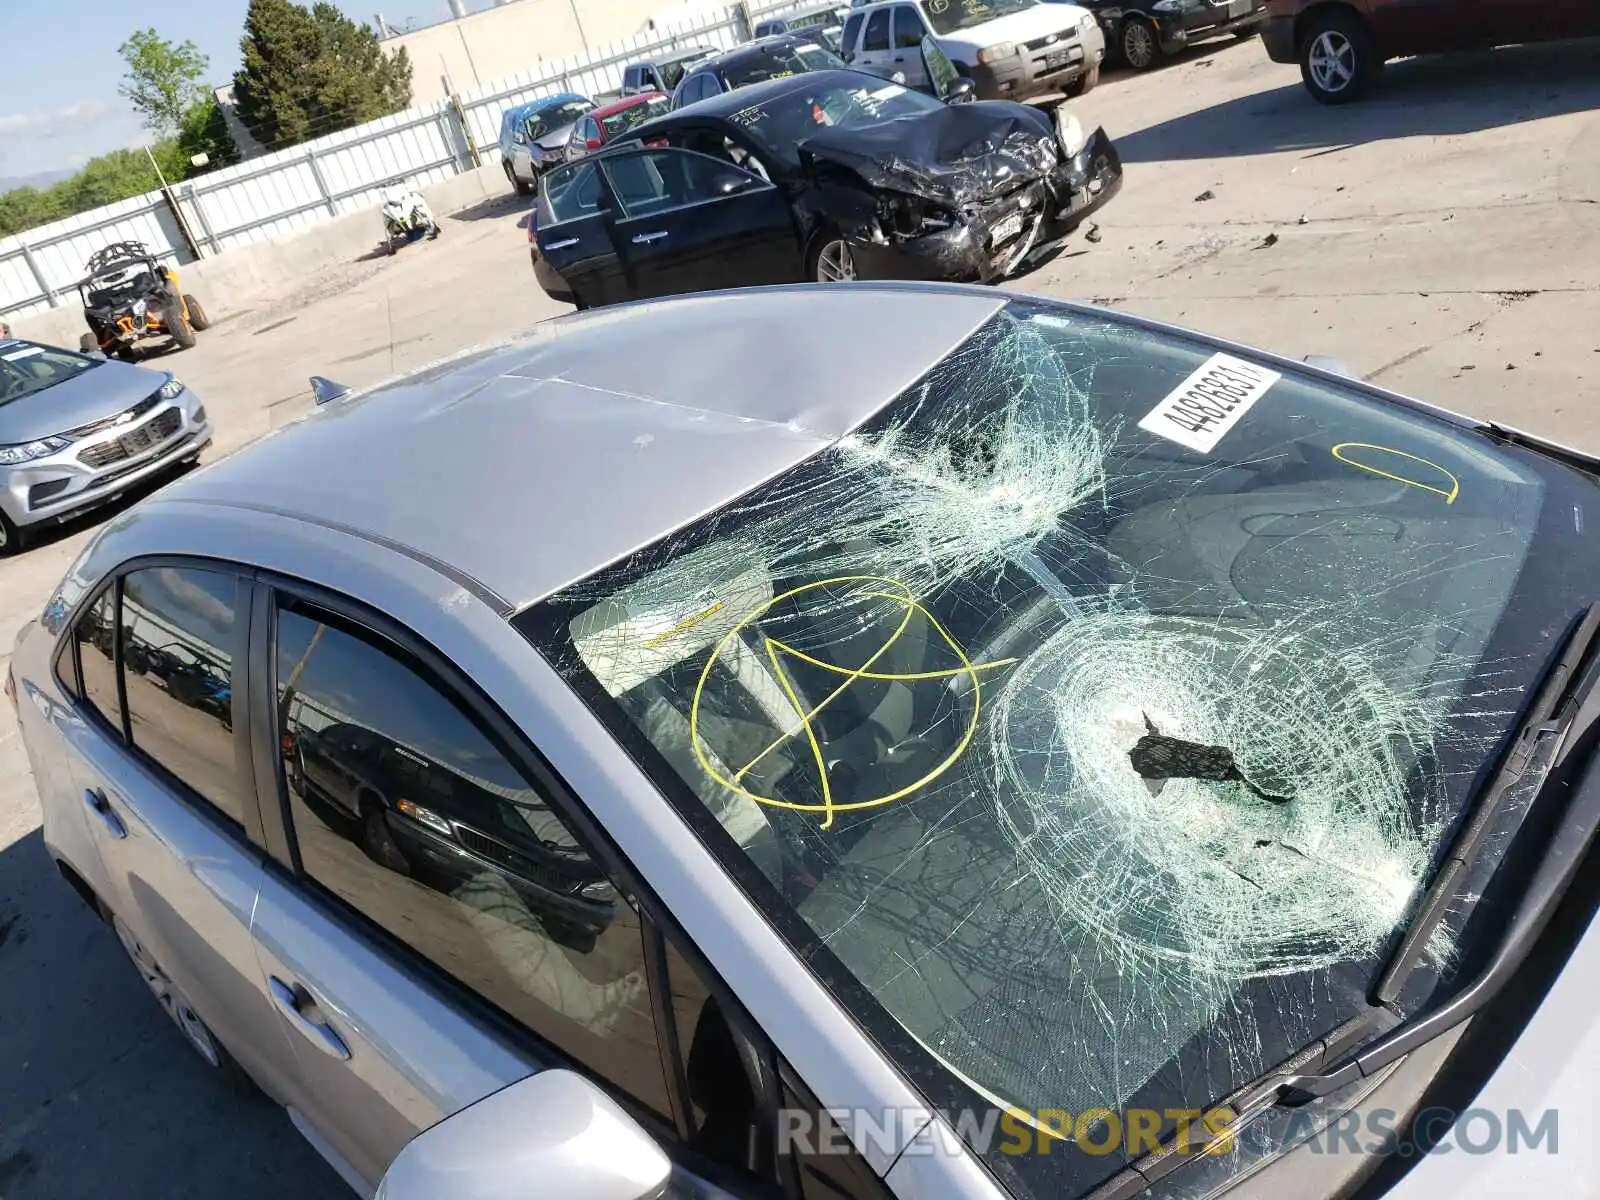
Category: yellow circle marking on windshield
<point>894,592</point>
<point>1449,495</point>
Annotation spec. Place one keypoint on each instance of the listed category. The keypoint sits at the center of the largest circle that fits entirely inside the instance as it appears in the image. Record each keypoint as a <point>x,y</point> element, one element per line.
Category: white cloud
<point>52,122</point>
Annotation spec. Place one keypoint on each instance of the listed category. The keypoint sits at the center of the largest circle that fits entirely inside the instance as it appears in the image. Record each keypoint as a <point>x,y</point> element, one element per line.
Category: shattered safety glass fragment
<point>917,693</point>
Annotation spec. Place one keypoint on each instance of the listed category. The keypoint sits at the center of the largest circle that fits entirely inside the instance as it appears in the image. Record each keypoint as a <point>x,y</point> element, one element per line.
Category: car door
<point>578,260</point>
<point>908,32</point>
<point>457,935</point>
<point>521,154</point>
<point>171,801</point>
<point>688,222</point>
<point>1429,26</point>
<point>877,52</point>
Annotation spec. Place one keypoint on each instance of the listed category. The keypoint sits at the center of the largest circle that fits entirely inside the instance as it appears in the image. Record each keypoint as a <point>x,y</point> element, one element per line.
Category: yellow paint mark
<point>1449,495</point>
<point>684,626</point>
<point>895,593</point>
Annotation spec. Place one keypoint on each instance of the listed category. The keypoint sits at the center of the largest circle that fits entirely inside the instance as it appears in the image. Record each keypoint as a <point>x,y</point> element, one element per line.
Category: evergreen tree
<point>313,71</point>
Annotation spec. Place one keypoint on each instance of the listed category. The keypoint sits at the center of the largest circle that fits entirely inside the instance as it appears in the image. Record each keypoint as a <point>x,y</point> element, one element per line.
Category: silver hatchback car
<point>1011,749</point>
<point>76,431</point>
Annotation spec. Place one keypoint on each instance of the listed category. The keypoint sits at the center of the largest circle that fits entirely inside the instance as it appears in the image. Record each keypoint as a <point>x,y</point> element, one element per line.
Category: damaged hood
<point>959,153</point>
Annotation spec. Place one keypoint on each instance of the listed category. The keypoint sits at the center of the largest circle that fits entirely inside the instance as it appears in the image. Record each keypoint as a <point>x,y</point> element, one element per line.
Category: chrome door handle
<point>644,239</point>
<point>95,801</point>
<point>289,1000</point>
<point>561,245</point>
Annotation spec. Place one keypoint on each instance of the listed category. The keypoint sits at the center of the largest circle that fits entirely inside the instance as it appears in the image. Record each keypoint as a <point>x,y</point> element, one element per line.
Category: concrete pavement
<point>1440,238</point>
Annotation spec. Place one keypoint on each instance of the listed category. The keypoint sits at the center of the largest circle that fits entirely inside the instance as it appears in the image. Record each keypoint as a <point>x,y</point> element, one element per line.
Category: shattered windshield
<point>1090,717</point>
<point>780,123</point>
<point>619,122</point>
<point>556,117</point>
<point>947,16</point>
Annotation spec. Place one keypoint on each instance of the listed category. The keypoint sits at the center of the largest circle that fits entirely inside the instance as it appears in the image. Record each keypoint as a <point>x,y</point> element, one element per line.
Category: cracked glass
<point>1090,769</point>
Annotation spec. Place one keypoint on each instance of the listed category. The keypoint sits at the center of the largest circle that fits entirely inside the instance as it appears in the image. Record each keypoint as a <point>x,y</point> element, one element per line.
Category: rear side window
<point>405,809</point>
<point>570,193</point>
<point>96,634</point>
<point>178,635</point>
<point>654,180</point>
<point>877,31</point>
<point>908,30</point>
<point>852,27</point>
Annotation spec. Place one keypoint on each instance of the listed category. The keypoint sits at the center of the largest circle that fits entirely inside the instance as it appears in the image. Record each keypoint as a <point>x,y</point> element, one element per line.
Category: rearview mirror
<point>325,391</point>
<point>552,1134</point>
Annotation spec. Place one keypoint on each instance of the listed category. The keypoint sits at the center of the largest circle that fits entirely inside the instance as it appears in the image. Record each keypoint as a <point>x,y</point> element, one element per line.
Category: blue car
<point>533,136</point>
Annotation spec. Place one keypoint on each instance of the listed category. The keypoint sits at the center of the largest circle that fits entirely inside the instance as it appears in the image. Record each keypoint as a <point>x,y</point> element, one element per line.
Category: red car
<point>613,120</point>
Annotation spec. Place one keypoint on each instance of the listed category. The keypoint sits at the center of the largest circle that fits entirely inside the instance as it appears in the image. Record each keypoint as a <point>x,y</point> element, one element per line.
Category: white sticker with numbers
<point>1200,410</point>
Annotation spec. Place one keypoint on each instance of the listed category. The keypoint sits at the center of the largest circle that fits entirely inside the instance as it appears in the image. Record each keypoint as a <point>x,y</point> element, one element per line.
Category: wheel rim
<point>1332,61</point>
<point>171,1000</point>
<point>1138,45</point>
<point>835,264</point>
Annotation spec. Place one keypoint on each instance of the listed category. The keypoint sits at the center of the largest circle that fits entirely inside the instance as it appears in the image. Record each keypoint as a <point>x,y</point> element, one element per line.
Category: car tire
<point>12,539</point>
<point>178,326</point>
<point>1084,84</point>
<point>1338,61</point>
<point>830,259</point>
<point>197,314</point>
<point>377,841</point>
<point>195,1031</point>
<point>1139,44</point>
<point>88,344</point>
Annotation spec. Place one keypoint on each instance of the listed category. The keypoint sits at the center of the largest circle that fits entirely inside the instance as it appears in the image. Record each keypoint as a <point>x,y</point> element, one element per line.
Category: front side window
<point>570,193</point>
<point>877,37</point>
<point>847,39</point>
<point>908,28</point>
<point>654,180</point>
<point>27,369</point>
<point>179,628</point>
<point>1090,717</point>
<point>408,812</point>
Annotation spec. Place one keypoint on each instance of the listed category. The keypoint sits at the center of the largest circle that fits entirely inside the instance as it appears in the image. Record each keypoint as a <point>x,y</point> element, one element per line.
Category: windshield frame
<point>545,625</point>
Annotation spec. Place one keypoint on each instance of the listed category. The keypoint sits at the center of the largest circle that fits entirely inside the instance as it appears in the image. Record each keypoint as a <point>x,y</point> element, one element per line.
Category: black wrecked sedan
<point>826,176</point>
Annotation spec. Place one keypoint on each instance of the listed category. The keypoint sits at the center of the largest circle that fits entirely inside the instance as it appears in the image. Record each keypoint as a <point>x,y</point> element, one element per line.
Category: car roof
<point>528,465</point>
<point>627,102</point>
<point>725,104</point>
<point>749,49</point>
<point>676,56</point>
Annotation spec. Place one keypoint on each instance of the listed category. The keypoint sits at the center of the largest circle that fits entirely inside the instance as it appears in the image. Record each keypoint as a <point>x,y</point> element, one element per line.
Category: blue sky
<point>58,88</point>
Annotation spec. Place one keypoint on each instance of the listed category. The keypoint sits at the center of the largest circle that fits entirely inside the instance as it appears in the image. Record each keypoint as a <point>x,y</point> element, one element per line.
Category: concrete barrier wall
<point>234,278</point>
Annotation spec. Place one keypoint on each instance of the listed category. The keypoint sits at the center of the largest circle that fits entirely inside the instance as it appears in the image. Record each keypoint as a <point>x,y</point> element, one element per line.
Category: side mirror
<point>326,391</point>
<point>552,1134</point>
<point>520,138</point>
<point>727,185</point>
<point>961,91</point>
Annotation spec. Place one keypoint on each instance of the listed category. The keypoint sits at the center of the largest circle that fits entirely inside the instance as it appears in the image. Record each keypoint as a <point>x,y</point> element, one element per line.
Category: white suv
<point>1011,49</point>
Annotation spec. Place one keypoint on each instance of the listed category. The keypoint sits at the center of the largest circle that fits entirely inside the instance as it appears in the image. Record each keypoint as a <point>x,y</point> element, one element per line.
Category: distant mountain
<point>41,180</point>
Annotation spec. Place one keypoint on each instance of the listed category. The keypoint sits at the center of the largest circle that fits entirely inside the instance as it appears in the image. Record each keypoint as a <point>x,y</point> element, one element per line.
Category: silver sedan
<point>986,747</point>
<point>78,430</point>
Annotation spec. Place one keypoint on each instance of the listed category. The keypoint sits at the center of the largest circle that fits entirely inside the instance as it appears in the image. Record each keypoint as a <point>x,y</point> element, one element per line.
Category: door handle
<point>95,801</point>
<point>290,1001</point>
<point>899,58</point>
<point>644,239</point>
<point>561,245</point>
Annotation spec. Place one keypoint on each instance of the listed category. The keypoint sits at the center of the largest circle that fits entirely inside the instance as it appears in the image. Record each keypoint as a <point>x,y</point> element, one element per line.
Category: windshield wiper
<point>1541,736</point>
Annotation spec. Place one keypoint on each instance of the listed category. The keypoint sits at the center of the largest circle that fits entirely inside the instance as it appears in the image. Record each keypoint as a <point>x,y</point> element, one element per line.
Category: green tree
<point>312,71</point>
<point>163,80</point>
<point>204,131</point>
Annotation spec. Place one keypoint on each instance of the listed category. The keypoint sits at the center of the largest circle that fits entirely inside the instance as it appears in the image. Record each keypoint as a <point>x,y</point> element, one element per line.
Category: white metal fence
<point>278,193</point>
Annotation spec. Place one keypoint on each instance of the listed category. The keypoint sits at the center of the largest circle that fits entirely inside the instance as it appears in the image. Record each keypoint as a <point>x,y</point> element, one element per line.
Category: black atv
<point>128,296</point>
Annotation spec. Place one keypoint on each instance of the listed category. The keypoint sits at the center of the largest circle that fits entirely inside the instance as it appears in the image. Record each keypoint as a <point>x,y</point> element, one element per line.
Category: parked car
<point>613,120</point>
<point>826,175</point>
<point>1011,49</point>
<point>77,431</point>
<point>533,136</point>
<point>129,297</point>
<point>775,57</point>
<point>1143,33</point>
<point>663,73</point>
<point>823,22</point>
<point>1341,46</point>
<point>827,625</point>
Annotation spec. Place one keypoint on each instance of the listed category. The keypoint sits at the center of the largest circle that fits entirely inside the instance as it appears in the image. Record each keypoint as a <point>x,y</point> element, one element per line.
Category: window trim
<point>249,828</point>
<point>655,920</point>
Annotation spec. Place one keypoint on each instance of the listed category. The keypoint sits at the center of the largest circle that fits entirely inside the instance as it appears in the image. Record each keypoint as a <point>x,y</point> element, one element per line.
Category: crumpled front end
<point>981,217</point>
